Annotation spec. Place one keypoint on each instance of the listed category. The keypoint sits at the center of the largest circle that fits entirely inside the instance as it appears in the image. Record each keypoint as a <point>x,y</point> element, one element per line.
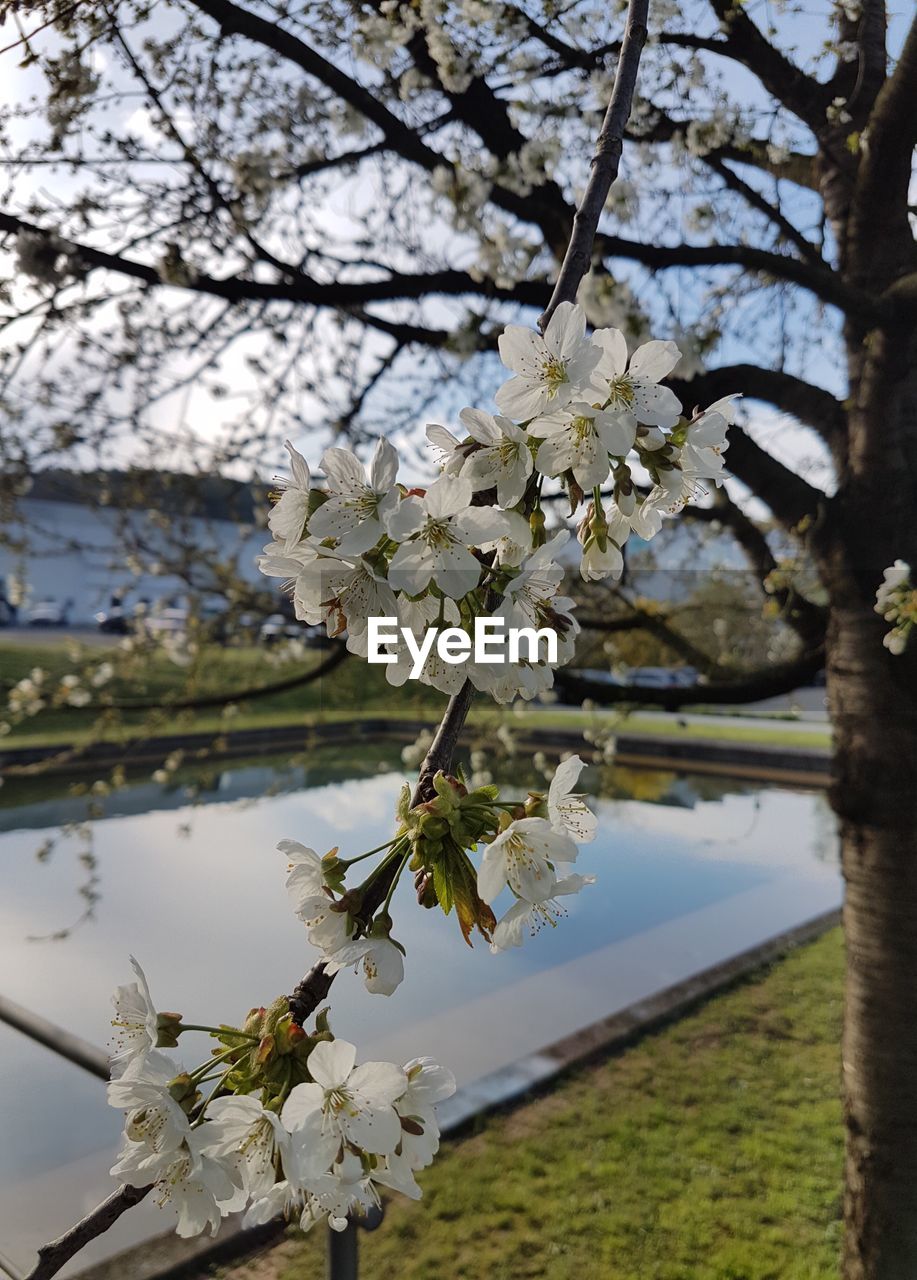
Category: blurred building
<point>82,541</point>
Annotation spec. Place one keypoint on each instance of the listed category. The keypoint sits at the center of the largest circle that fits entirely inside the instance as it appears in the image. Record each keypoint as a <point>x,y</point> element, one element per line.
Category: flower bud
<point>184,1091</point>
<point>432,827</point>
<point>426,893</point>
<point>535,806</point>
<point>287,1035</point>
<point>168,1028</point>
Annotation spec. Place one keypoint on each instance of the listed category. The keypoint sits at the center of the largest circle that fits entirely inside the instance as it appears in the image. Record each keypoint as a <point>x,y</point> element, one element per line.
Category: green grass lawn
<point>352,690</point>
<point>710,1151</point>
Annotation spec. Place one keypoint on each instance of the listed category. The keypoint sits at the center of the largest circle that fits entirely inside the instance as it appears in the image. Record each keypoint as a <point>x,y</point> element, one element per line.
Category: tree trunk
<point>873,702</point>
<point>875,796</point>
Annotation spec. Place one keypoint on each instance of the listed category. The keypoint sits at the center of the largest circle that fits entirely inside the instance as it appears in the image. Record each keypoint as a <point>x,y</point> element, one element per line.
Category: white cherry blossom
<point>418,616</point>
<point>436,533</point>
<point>428,1084</point>
<point>282,1200</point>
<point>452,451</point>
<point>200,1187</point>
<point>355,511</point>
<point>513,546</point>
<point>504,460</point>
<point>550,370</point>
<point>342,593</point>
<point>706,440</point>
<point>897,575</point>
<point>596,564</point>
<point>327,929</point>
<point>380,959</point>
<point>276,562</point>
<point>521,857</point>
<point>344,1191</point>
<point>567,809</point>
<point>525,917</point>
<point>528,596</point>
<point>579,438</point>
<point>154,1119</point>
<point>288,516</point>
<point>633,390</point>
<point>505,681</point>
<point>354,1104</point>
<point>135,1022</point>
<point>896,600</point>
<point>240,1125</point>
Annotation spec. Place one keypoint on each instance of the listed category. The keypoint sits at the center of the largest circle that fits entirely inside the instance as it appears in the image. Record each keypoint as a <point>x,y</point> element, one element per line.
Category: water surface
<point>190,882</point>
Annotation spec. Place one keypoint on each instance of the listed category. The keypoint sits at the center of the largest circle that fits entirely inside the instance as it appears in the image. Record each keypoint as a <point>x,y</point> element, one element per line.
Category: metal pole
<point>343,1253</point>
<point>7,1269</point>
<point>77,1050</point>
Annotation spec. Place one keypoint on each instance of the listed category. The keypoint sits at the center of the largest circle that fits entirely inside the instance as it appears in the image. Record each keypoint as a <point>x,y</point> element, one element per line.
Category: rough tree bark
<point>873,702</point>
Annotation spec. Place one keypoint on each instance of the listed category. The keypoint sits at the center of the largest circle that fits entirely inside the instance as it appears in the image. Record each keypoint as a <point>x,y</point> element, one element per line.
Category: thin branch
<point>806,97</point>
<point>757,201</point>
<point>334,659</point>
<point>54,1255</point>
<point>812,405</point>
<point>826,283</point>
<point>754,686</point>
<point>578,257</point>
<point>884,172</point>
<point>338,294</point>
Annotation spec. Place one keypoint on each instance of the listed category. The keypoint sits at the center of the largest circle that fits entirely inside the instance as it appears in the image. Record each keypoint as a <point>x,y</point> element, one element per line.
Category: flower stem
<point>216,1031</point>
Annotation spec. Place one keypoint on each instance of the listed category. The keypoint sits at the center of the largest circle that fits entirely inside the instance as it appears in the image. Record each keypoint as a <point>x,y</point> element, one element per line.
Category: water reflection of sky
<point>196,892</point>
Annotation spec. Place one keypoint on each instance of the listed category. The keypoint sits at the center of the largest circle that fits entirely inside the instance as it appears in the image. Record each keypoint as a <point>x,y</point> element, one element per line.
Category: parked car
<point>47,613</point>
<point>113,621</point>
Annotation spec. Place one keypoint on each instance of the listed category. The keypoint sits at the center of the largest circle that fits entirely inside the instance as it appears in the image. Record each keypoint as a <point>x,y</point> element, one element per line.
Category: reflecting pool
<point>186,877</point>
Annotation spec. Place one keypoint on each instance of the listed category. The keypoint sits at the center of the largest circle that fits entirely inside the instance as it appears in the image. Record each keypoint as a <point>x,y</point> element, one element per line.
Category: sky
<point>799,448</point>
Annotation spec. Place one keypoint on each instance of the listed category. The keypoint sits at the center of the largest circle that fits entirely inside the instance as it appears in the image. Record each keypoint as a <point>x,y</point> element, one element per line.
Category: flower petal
<point>492,872</point>
<point>447,496</point>
<point>344,471</point>
<point>384,467</point>
<point>614,348</point>
<point>481,426</point>
<point>654,360</point>
<point>406,519</point>
<point>566,329</point>
<point>331,1062</point>
<point>412,567</point>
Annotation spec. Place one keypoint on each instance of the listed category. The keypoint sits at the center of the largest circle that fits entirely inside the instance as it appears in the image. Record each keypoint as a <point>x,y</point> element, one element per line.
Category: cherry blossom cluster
<point>576,412</point>
<point>278,1121</point>
<point>528,849</point>
<point>896,600</point>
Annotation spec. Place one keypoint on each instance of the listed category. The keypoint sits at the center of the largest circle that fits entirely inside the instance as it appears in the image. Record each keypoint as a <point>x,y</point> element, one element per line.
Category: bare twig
<point>442,748</point>
<point>605,163</point>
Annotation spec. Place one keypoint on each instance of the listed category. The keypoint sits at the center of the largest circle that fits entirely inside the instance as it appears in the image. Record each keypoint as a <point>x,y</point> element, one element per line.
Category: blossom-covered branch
<point>279,1119</point>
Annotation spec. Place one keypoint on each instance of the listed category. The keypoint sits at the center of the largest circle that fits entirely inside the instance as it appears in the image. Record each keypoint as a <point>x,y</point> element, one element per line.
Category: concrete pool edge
<point>763,761</point>
<point>170,1258</point>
